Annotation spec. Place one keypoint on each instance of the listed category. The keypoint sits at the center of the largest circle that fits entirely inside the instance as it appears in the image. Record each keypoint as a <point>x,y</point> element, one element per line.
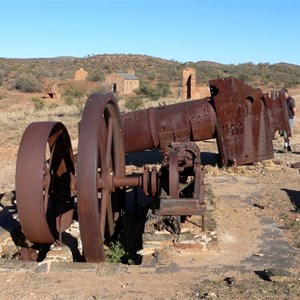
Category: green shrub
<point>38,103</point>
<point>2,73</point>
<point>53,106</point>
<point>41,71</point>
<point>148,91</point>
<point>115,253</point>
<point>96,76</point>
<point>76,94</point>
<point>133,103</point>
<point>69,100</point>
<point>162,89</point>
<point>27,83</point>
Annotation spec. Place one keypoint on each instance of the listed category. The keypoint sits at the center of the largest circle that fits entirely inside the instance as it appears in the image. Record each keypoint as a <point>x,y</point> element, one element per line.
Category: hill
<point>148,69</point>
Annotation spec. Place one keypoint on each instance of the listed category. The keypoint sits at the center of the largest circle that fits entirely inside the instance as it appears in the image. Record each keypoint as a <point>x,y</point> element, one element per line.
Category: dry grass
<point>14,123</point>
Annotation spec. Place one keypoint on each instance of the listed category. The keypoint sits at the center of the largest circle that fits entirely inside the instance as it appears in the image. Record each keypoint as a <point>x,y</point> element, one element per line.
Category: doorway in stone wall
<point>188,87</point>
<point>114,88</point>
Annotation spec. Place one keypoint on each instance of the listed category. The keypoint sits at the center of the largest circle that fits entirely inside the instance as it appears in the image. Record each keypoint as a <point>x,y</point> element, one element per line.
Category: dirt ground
<point>258,229</point>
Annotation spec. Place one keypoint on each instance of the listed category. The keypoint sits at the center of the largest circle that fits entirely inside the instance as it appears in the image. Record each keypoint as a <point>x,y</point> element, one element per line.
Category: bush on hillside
<point>2,73</point>
<point>41,71</point>
<point>133,103</point>
<point>27,83</point>
<point>96,76</point>
<point>38,103</point>
<point>76,94</point>
<point>162,89</point>
<point>147,91</point>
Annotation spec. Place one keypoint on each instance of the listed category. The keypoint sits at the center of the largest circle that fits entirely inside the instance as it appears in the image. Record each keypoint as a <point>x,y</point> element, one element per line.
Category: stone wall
<point>81,75</point>
<point>130,86</point>
<point>115,83</point>
<point>190,89</point>
<point>120,86</point>
<point>188,83</point>
<point>51,88</point>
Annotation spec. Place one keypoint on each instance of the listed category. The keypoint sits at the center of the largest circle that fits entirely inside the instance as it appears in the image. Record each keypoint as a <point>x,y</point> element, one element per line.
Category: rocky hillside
<point>148,69</point>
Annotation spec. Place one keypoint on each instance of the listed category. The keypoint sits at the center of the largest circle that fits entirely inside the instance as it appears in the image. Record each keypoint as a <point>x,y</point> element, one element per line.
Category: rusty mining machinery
<point>49,182</point>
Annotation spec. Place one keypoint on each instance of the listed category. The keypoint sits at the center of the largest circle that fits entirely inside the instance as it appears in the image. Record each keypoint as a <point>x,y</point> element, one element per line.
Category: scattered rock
<point>28,254</point>
<point>278,275</point>
<point>7,199</point>
<point>230,280</point>
<point>258,254</point>
<point>259,206</point>
<point>295,165</point>
<point>59,253</point>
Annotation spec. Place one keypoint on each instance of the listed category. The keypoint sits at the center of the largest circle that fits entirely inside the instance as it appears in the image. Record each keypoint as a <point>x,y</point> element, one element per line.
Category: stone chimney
<point>130,72</point>
<point>189,83</point>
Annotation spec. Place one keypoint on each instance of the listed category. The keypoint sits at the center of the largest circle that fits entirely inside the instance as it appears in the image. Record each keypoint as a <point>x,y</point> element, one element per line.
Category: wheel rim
<point>100,156</point>
<point>44,167</point>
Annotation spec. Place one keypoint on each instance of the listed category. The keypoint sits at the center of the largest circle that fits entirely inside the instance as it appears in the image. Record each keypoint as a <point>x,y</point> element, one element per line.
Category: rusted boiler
<point>242,119</point>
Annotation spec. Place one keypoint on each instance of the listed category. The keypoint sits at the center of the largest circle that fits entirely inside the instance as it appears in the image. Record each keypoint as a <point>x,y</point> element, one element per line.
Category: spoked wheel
<point>43,174</point>
<point>100,159</point>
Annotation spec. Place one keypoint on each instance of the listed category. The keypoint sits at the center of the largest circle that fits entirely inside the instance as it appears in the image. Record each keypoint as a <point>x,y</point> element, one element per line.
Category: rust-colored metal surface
<point>277,112</point>
<point>44,168</point>
<point>158,127</point>
<point>100,157</point>
<point>243,121</point>
<point>181,181</point>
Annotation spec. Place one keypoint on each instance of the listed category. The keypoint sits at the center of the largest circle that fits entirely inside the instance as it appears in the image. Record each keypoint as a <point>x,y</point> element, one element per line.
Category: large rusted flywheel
<point>100,161</point>
<point>43,175</point>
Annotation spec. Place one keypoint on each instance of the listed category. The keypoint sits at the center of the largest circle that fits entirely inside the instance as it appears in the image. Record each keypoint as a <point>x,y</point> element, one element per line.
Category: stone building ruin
<point>81,75</point>
<point>122,84</point>
<point>190,89</point>
<point>51,88</point>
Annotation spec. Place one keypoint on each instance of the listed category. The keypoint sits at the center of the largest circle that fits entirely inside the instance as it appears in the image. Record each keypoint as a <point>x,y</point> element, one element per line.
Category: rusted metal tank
<point>242,119</point>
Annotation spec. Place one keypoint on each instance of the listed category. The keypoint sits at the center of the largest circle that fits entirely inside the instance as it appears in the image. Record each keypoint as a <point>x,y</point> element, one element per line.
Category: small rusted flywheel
<point>44,168</point>
<point>100,157</point>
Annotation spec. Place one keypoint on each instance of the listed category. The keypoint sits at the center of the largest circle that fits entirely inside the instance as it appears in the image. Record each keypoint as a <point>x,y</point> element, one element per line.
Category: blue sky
<point>224,31</point>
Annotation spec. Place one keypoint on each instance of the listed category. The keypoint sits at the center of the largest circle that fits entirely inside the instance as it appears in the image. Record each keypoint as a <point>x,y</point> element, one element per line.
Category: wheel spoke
<point>46,185</point>
<point>109,143</point>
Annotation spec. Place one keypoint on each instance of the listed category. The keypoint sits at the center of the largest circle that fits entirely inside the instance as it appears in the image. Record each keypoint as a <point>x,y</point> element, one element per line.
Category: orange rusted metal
<point>243,121</point>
